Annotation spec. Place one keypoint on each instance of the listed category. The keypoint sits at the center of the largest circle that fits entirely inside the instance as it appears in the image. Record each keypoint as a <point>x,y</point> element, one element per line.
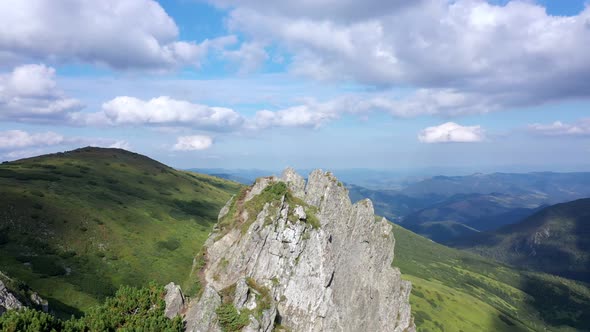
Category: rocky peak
<point>294,181</point>
<point>300,256</point>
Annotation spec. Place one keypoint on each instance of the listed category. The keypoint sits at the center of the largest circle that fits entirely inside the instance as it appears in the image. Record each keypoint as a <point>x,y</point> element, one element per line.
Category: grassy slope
<point>459,291</point>
<point>442,231</point>
<point>554,240</point>
<point>75,226</point>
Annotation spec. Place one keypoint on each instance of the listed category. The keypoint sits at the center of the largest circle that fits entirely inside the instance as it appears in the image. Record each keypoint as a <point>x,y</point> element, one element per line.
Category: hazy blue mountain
<point>539,188</point>
<point>243,176</point>
<point>391,203</point>
<point>445,208</point>
<point>555,240</point>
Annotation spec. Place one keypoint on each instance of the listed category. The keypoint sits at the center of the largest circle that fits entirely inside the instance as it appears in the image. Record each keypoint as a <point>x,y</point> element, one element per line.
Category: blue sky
<point>467,84</point>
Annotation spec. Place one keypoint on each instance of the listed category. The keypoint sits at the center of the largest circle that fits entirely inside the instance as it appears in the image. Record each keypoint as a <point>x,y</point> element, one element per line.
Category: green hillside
<point>75,226</point>
<point>555,240</point>
<point>442,231</point>
<point>459,291</point>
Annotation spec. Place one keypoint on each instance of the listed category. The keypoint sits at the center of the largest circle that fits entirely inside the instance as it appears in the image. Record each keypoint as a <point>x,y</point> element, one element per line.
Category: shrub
<point>230,319</point>
<point>47,266</point>
<point>312,219</point>
<point>131,309</point>
<point>171,244</point>
<point>29,321</point>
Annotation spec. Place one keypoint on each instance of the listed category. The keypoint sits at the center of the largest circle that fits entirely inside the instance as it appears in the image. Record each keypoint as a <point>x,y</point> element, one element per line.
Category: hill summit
<point>76,226</point>
<point>294,256</point>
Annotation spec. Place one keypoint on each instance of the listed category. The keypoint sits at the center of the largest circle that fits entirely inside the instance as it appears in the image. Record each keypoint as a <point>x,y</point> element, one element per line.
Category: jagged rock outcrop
<point>14,299</point>
<point>7,300</point>
<point>300,257</point>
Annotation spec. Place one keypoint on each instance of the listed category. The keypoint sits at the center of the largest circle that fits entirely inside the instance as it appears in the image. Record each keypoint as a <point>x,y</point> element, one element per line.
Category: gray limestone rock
<point>284,268</point>
<point>300,213</point>
<point>259,186</point>
<point>7,300</point>
<point>174,300</point>
<point>294,181</point>
<point>40,302</point>
<point>201,315</point>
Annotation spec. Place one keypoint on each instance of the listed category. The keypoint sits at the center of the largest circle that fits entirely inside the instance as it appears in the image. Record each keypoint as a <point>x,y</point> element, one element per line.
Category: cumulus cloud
<point>131,34</point>
<point>171,114</point>
<point>558,128</point>
<point>30,93</point>
<point>296,116</point>
<point>435,44</point>
<point>192,143</point>
<point>165,111</point>
<point>16,139</point>
<point>249,57</point>
<point>162,111</point>
<point>451,132</point>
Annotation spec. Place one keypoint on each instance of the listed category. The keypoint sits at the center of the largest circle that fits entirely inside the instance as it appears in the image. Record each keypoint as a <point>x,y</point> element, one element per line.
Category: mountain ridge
<point>555,240</point>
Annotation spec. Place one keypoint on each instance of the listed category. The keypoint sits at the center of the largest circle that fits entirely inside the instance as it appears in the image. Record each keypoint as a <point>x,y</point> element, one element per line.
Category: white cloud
<point>192,143</point>
<point>171,114</point>
<point>163,111</point>
<point>30,93</point>
<point>558,128</point>
<point>296,116</point>
<point>19,154</point>
<point>249,57</point>
<point>17,144</point>
<point>345,10</point>
<point>434,44</point>
<point>451,132</point>
<point>442,102</point>
<point>15,139</point>
<point>122,144</point>
<point>130,34</point>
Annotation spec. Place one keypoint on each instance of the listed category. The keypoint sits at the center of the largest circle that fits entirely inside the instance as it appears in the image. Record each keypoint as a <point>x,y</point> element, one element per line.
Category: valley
<point>455,290</point>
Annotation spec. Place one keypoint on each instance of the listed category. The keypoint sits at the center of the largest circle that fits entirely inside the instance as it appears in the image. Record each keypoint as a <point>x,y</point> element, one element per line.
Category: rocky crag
<point>294,256</point>
<point>7,300</point>
<point>14,299</point>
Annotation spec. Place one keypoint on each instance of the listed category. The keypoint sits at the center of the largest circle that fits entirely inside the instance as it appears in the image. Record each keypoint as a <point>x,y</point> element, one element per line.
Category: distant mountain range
<point>445,208</point>
<point>537,188</point>
<point>467,214</point>
<point>555,240</point>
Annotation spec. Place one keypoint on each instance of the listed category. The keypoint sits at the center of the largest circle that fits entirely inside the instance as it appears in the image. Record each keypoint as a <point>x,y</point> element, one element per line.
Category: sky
<point>377,84</point>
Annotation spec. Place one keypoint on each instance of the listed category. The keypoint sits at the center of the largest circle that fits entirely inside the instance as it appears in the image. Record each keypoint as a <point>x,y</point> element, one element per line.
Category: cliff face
<point>300,257</point>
